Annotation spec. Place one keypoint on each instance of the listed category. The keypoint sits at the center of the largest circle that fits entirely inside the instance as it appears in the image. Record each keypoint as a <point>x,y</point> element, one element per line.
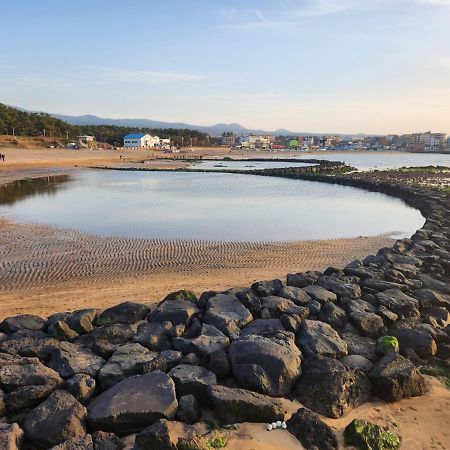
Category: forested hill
<point>23,123</point>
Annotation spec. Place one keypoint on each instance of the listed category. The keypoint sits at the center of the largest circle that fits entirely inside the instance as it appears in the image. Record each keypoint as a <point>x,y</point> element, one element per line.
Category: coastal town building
<point>427,141</point>
<point>85,141</point>
<point>255,142</point>
<point>229,139</point>
<point>141,141</point>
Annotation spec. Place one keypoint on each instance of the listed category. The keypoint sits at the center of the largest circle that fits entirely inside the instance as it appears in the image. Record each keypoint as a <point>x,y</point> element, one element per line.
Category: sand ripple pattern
<point>33,255</point>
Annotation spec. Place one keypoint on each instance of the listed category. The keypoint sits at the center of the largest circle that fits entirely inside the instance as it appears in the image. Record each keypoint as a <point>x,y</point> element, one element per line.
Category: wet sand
<point>44,269</point>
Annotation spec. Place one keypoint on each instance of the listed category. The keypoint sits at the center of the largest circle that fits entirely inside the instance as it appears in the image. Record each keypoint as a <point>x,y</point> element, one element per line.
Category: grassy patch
<point>218,441</point>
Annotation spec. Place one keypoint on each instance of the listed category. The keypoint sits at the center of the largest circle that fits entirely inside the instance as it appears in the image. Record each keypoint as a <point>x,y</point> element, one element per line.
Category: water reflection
<point>31,187</point>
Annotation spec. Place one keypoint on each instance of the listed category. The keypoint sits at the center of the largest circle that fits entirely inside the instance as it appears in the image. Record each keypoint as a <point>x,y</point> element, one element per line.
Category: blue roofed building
<point>140,141</point>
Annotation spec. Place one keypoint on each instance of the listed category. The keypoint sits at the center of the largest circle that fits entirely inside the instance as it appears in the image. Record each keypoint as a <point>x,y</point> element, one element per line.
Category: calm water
<point>383,160</point>
<point>209,206</point>
<point>360,160</point>
<point>245,165</point>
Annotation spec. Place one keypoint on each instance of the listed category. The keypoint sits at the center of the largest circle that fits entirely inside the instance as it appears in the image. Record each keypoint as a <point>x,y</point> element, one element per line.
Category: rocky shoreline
<point>179,375</point>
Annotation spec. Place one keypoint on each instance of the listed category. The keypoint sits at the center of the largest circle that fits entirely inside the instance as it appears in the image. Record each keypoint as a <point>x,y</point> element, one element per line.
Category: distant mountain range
<point>214,130</point>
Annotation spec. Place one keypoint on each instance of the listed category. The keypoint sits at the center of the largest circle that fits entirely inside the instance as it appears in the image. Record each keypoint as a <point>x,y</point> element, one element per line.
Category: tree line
<point>17,122</point>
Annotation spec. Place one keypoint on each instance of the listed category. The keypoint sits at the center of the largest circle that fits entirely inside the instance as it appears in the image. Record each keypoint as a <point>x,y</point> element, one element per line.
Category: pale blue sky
<point>374,66</point>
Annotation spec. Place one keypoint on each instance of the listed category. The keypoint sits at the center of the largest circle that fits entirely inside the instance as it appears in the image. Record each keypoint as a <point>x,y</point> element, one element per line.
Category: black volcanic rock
<point>394,377</point>
<point>311,431</point>
<point>125,313</point>
<point>57,419</point>
<point>234,405</point>
<point>269,365</point>
<point>329,388</point>
<point>134,404</point>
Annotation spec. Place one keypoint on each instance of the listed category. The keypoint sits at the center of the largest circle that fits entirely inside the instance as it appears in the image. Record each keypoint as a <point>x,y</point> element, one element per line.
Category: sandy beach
<point>45,269</point>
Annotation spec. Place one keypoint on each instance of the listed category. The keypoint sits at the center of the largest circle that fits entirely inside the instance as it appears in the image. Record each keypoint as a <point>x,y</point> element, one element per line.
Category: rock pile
<point>88,379</point>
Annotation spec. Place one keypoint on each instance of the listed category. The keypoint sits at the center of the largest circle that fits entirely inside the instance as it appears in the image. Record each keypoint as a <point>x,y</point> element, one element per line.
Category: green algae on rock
<point>368,436</point>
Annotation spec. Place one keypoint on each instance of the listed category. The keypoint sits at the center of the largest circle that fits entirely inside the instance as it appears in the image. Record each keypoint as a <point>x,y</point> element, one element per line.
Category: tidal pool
<point>207,206</point>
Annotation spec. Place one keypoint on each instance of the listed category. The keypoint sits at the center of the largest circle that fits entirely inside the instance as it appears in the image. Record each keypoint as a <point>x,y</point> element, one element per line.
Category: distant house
<point>86,141</point>
<point>140,141</point>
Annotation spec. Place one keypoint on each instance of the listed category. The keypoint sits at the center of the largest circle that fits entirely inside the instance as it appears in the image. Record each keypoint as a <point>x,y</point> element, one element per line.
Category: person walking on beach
<point>2,157</point>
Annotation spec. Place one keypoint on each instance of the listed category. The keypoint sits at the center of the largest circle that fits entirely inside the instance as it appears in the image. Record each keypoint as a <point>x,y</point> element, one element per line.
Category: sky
<point>347,66</point>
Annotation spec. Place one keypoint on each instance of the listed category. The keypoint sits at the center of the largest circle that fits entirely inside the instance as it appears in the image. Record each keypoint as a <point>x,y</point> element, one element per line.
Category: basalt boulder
<point>320,294</point>
<point>125,313</point>
<point>17,372</point>
<point>318,338</point>
<point>134,404</point>
<point>329,388</point>
<point>262,327</point>
<point>277,306</point>
<point>154,336</point>
<point>295,294</point>
<point>177,311</point>
<point>171,435</point>
<point>400,303</point>
<point>266,288</point>
<point>124,362</point>
<point>57,419</point>
<point>193,380</point>
<point>69,359</point>
<point>421,342</point>
<point>209,341</point>
<point>234,405</point>
<point>22,322</point>
<point>11,436</point>
<point>394,377</point>
<point>223,310</point>
<point>339,287</point>
<point>269,365</point>
<point>311,431</point>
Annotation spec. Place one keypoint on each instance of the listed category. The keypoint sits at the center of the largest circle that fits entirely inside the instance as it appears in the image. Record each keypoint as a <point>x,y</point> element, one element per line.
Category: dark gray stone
<point>175,311</point>
<point>320,294</point>
<point>394,377</point>
<point>234,405</point>
<point>400,303</point>
<point>57,419</point>
<point>270,366</point>
<point>318,338</point>
<point>339,287</point>
<point>154,336</point>
<point>309,429</point>
<point>193,380</point>
<point>22,322</point>
<point>266,288</point>
<point>329,388</point>
<point>81,386</point>
<point>188,409</point>
<point>134,404</point>
<point>225,309</point>
<point>11,436</point>
<point>124,362</point>
<point>209,341</point>
<point>295,294</point>
<point>124,313</point>
<point>419,341</point>
<point>69,359</point>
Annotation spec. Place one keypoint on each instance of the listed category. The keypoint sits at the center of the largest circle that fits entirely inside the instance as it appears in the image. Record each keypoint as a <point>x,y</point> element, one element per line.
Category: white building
<point>255,142</point>
<point>140,141</point>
